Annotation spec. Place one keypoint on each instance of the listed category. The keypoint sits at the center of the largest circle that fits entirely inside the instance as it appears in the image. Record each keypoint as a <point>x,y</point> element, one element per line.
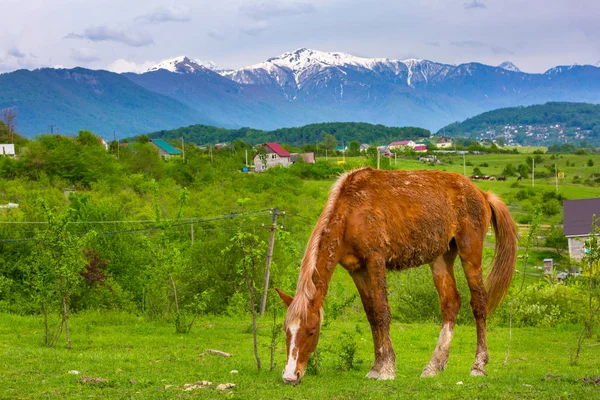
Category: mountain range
<point>293,89</point>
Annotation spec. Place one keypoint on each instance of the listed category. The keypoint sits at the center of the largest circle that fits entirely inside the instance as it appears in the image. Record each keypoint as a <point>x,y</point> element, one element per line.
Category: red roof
<point>281,152</point>
<point>400,143</point>
<point>420,147</point>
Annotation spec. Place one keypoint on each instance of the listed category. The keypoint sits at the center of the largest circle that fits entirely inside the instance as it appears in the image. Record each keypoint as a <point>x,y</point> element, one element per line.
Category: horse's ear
<point>286,298</point>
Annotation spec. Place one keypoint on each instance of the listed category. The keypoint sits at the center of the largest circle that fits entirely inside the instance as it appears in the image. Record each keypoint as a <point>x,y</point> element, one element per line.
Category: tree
<point>58,263</point>
<point>509,170</point>
<point>354,148</point>
<point>88,138</point>
<point>329,142</point>
<point>590,163</point>
<point>9,117</point>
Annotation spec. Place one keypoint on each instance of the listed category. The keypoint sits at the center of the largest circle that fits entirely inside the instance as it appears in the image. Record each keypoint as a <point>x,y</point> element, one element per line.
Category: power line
<point>156,227</point>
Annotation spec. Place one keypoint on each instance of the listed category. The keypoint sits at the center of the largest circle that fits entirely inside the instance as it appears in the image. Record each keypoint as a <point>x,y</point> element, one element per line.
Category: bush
<point>509,170</point>
<point>546,304</point>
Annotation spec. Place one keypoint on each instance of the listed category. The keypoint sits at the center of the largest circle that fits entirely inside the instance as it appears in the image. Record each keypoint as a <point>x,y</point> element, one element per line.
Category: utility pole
<point>378,157</point>
<point>210,151</point>
<point>326,156</point>
<point>464,165</point>
<point>273,228</point>
<point>246,157</point>
<point>51,127</point>
<point>183,150</point>
<point>532,172</point>
<point>556,176</point>
<point>192,230</point>
<point>115,140</point>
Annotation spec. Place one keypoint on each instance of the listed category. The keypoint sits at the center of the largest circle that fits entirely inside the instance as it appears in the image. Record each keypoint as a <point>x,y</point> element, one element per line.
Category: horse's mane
<point>306,288</point>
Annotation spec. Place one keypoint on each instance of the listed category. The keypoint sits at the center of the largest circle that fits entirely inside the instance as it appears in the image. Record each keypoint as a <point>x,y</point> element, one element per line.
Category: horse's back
<point>409,216</point>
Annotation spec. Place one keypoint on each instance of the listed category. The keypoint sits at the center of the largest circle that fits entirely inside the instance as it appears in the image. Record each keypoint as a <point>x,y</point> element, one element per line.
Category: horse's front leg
<point>371,284</point>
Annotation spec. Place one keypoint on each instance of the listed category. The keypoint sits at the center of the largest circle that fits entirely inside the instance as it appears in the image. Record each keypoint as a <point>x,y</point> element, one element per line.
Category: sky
<point>124,35</point>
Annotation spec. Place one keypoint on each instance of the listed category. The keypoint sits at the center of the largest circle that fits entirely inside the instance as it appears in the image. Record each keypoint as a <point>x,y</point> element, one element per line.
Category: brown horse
<point>377,220</point>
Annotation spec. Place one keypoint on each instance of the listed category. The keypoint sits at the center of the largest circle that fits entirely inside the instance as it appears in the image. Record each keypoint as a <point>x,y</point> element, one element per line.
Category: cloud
<point>475,45</point>
<point>432,44</point>
<point>215,35</point>
<point>474,4</point>
<point>83,54</point>
<point>255,28</point>
<point>166,14</point>
<point>113,34</point>
<point>273,9</point>
<point>16,53</point>
<point>121,65</point>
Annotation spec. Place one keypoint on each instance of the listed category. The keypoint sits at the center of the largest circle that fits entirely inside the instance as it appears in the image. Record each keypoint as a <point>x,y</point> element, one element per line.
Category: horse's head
<point>302,336</point>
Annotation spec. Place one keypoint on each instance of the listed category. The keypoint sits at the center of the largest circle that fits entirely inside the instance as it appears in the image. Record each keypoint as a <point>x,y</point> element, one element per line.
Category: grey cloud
<point>14,52</point>
<point>166,14</point>
<point>215,35</point>
<point>474,4</point>
<point>255,29</point>
<point>475,45</point>
<point>273,9</point>
<point>84,54</point>
<point>113,34</point>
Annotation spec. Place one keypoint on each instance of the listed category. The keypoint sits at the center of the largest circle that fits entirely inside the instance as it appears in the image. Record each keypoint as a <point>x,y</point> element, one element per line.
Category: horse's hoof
<point>386,377</point>
<point>477,372</point>
<point>429,373</point>
<point>373,374</point>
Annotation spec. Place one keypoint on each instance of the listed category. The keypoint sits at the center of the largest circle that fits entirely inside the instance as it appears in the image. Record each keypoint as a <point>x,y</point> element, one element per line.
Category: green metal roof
<point>163,145</point>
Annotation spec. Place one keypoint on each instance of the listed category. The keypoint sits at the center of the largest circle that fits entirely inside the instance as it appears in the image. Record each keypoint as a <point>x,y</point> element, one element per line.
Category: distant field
<point>146,360</point>
<point>526,149</point>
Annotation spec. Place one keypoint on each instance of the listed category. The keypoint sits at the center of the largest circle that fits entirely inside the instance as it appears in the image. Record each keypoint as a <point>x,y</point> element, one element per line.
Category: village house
<point>7,150</point>
<point>104,143</point>
<point>364,147</point>
<point>308,158</point>
<point>273,155</point>
<point>165,150</point>
<point>420,148</point>
<point>578,224</point>
<point>402,144</point>
<point>444,143</point>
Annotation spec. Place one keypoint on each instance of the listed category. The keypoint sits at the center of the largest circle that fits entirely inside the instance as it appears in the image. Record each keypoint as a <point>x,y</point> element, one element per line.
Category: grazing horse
<point>377,220</point>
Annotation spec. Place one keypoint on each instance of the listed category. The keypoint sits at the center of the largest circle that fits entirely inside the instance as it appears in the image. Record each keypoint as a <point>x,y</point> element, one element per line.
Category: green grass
<point>142,359</point>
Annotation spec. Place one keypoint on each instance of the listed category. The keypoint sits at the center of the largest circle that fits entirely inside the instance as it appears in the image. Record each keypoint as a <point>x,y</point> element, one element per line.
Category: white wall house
<point>7,150</point>
<point>274,155</point>
<point>578,224</point>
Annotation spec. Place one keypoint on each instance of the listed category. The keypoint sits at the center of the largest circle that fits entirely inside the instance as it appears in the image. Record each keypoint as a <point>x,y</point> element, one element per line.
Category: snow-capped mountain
<point>507,65</point>
<point>306,86</point>
<point>295,68</point>
<point>182,65</point>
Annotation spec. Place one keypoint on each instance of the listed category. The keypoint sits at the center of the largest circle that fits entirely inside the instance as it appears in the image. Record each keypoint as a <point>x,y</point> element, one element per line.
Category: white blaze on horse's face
<point>289,373</point>
<point>302,337</point>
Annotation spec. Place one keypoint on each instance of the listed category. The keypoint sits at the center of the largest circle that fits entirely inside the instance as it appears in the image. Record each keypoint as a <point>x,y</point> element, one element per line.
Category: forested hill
<point>577,121</point>
<point>342,131</point>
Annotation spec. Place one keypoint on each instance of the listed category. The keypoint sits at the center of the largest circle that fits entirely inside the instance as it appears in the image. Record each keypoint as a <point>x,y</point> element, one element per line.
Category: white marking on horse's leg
<point>481,359</point>
<point>289,373</point>
<point>387,371</point>
<point>439,359</point>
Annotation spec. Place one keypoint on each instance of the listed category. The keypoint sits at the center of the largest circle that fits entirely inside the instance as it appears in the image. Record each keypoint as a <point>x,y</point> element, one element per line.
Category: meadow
<point>163,254</point>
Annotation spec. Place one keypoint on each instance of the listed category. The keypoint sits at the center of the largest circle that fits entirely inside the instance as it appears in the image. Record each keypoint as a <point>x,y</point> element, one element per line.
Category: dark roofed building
<point>164,148</point>
<point>578,223</point>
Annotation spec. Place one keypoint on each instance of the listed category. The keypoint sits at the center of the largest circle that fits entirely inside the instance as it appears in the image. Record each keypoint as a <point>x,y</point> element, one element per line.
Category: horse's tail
<point>505,256</point>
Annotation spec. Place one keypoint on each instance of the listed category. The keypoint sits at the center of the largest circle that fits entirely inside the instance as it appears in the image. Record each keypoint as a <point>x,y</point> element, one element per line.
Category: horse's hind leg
<point>470,257</point>
<point>443,277</point>
<point>371,284</point>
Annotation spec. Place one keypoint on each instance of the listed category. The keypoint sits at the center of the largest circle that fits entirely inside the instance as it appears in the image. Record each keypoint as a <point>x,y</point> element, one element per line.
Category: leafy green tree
<point>590,163</point>
<point>143,138</point>
<point>354,148</point>
<point>57,264</point>
<point>523,171</point>
<point>87,138</point>
<point>329,142</point>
